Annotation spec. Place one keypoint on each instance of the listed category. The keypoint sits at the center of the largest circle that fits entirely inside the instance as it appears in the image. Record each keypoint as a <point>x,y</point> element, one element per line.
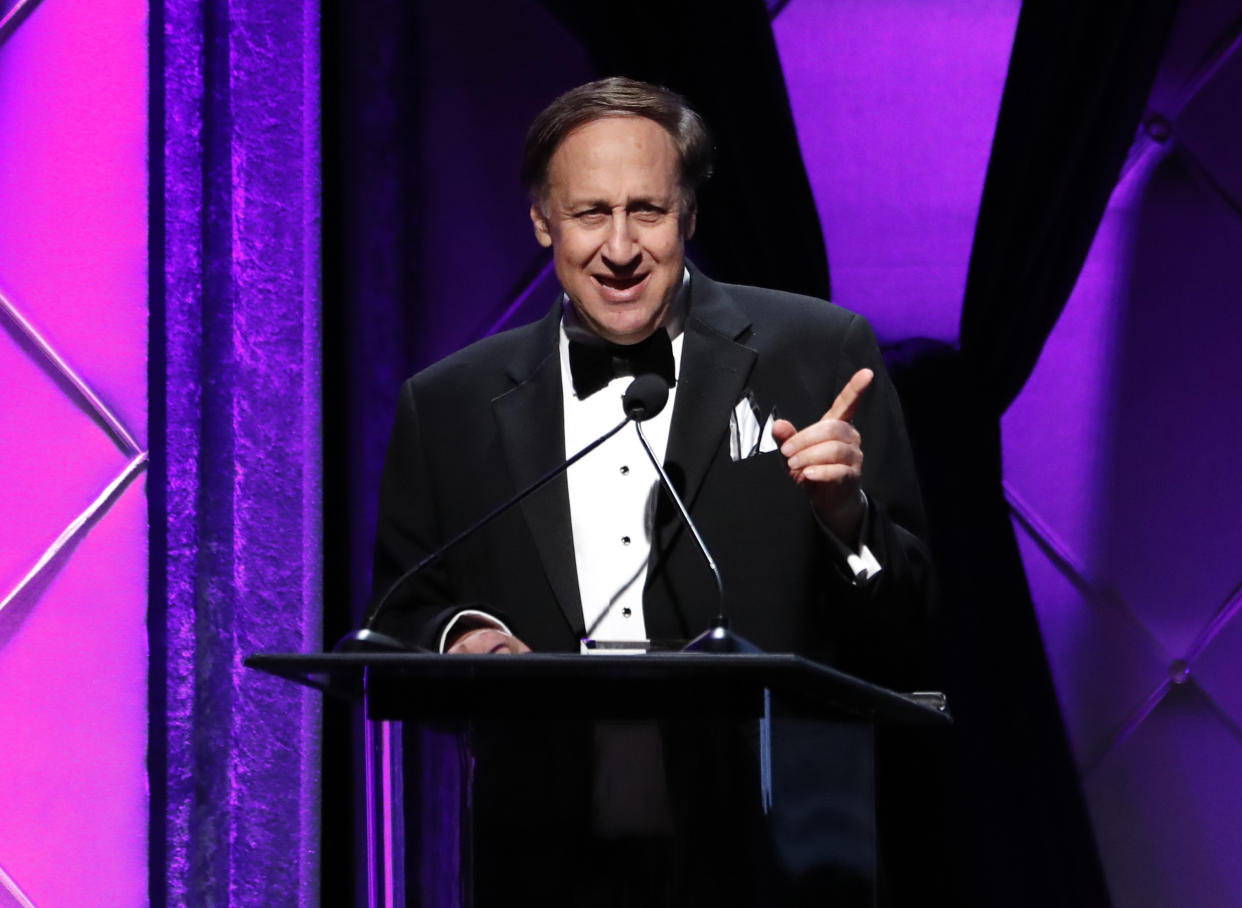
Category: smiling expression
<point>617,220</point>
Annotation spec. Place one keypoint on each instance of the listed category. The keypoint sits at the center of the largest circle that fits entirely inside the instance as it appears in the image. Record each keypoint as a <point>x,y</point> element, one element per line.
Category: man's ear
<point>542,234</point>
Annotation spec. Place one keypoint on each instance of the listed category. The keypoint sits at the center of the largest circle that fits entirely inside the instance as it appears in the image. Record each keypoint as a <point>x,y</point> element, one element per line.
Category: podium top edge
<point>786,674</point>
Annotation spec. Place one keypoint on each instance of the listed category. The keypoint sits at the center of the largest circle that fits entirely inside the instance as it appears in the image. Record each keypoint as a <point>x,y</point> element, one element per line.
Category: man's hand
<point>826,459</point>
<point>484,640</point>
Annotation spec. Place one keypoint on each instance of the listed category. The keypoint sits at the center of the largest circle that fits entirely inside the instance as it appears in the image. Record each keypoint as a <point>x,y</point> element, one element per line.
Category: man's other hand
<point>826,459</point>
<point>484,640</point>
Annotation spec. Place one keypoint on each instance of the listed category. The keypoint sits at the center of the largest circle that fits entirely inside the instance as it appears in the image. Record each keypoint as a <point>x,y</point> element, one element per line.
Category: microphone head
<point>645,397</point>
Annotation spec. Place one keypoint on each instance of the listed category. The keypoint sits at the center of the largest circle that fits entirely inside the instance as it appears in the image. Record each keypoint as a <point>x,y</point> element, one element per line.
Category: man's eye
<point>649,215</point>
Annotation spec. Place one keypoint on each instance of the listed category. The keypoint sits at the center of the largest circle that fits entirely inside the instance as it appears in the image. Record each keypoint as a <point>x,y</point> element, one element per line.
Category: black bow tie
<point>595,365</point>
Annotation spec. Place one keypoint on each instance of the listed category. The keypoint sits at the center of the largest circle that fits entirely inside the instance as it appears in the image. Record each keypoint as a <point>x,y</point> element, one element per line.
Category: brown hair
<point>618,96</point>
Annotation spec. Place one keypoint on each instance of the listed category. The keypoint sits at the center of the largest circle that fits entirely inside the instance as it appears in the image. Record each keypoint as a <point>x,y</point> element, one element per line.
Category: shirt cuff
<point>863,563</point>
<point>469,620</point>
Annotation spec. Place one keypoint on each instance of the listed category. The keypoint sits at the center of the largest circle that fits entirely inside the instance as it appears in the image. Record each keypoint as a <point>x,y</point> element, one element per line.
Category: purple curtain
<point>235,490</point>
<point>1078,79</point>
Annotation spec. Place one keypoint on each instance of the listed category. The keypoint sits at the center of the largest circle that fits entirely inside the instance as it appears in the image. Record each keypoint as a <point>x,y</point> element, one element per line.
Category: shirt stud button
<point>625,540</point>
<point>626,612</point>
<point>624,470</point>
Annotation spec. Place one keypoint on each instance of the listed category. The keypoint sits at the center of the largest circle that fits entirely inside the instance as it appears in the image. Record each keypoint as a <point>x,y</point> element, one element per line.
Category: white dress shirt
<point>612,499</point>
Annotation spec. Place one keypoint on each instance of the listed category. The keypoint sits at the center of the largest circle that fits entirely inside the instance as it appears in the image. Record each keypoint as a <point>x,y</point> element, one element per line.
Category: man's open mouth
<point>619,289</point>
<point>620,283</point>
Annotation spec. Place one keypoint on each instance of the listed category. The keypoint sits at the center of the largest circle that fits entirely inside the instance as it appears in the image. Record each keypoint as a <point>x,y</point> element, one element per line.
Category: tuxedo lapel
<point>532,430</point>
<point>715,366</point>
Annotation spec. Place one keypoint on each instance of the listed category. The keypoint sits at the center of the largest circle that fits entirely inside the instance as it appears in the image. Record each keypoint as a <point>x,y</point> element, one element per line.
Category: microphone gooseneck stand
<point>643,399</point>
<point>718,638</point>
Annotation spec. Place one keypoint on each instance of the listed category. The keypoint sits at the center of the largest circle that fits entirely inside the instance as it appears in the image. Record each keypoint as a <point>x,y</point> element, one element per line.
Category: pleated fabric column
<point>237,485</point>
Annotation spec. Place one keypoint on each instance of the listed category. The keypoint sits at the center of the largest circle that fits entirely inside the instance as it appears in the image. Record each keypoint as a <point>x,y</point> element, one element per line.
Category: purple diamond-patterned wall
<point>73,425</point>
<point>235,491</point>
<point>1120,457</point>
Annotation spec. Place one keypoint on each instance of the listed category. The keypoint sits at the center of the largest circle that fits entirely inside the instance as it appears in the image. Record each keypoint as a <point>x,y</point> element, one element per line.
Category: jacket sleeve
<point>888,618</point>
<point>415,608</point>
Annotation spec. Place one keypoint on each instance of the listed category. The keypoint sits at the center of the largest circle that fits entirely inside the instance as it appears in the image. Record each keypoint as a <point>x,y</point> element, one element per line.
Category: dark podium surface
<point>768,761</point>
<point>428,686</point>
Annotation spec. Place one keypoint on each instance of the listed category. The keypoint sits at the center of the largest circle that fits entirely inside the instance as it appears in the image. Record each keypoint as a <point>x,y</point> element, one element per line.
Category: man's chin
<point>628,333</point>
<point>626,324</point>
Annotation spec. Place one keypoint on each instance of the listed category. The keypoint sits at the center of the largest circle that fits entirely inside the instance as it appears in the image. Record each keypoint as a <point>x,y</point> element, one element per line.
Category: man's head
<point>612,168</point>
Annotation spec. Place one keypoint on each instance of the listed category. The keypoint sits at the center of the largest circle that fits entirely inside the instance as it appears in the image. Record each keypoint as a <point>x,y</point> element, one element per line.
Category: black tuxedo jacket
<point>478,426</point>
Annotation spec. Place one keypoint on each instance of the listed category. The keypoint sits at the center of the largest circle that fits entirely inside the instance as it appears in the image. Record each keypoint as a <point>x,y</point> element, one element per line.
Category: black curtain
<point>370,210</point>
<point>1078,79</point>
<point>1002,788</point>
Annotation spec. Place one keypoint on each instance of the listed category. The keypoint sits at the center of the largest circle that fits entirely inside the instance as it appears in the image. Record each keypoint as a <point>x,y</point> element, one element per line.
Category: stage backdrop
<point>235,494</point>
<point>159,451</point>
<point>1121,471</point>
<point>73,453</point>
<point>159,299</point>
<point>895,105</point>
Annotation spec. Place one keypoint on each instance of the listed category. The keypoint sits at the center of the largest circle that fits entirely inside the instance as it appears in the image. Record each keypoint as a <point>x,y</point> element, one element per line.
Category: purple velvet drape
<point>235,501</point>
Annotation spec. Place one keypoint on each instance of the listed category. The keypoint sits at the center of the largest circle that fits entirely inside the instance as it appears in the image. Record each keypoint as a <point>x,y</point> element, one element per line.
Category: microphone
<point>643,399</point>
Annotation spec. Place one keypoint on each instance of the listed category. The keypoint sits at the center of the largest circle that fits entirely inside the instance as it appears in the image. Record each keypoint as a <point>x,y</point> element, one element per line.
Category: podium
<point>770,758</point>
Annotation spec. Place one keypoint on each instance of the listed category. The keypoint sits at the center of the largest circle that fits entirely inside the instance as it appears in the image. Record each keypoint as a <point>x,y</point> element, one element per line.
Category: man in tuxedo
<point>774,398</point>
<point>819,548</point>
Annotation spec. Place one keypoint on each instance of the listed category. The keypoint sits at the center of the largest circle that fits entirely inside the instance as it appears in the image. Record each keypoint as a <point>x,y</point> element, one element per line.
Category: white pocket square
<point>746,436</point>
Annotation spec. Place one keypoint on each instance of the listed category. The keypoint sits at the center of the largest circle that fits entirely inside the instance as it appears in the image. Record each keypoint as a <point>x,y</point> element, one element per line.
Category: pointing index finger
<point>847,401</point>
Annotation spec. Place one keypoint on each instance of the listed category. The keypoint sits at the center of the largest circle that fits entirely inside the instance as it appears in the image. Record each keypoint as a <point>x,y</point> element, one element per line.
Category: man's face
<point>614,216</point>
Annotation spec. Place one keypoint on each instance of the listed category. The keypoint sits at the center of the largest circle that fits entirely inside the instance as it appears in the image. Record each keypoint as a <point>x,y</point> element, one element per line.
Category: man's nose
<point>621,248</point>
